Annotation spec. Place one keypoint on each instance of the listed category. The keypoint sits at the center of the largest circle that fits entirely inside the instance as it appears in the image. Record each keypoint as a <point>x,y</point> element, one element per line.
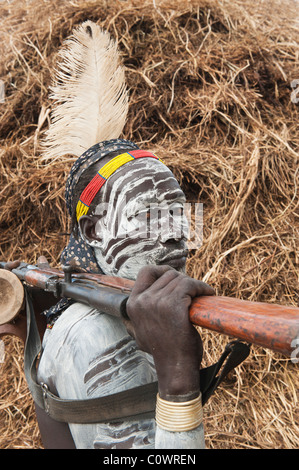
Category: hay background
<point>210,93</point>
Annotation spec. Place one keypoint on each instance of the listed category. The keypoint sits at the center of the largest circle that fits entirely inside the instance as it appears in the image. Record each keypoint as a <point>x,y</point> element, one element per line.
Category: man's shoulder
<point>82,323</point>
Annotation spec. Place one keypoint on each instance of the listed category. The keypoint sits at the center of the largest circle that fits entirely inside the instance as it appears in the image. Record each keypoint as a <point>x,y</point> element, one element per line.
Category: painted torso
<point>89,354</point>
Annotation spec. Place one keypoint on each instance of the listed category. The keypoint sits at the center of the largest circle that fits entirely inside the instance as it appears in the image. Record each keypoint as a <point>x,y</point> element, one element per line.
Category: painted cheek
<point>174,224</point>
<point>136,227</point>
<point>178,227</point>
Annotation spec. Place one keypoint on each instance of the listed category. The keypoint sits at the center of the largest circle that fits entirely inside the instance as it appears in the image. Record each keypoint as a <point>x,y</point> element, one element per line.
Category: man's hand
<point>158,308</point>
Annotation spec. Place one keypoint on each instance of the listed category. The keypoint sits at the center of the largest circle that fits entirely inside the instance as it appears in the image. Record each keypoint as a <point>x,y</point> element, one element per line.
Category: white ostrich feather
<point>89,93</point>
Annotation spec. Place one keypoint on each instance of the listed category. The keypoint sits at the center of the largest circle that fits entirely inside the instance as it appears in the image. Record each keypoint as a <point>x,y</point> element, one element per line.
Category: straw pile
<point>210,92</point>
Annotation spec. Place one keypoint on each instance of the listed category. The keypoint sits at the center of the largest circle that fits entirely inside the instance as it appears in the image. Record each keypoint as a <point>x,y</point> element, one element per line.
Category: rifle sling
<point>133,404</point>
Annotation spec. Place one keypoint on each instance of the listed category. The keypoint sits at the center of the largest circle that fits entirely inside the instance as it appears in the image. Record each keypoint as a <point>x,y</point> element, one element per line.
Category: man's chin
<point>130,268</point>
<point>179,264</point>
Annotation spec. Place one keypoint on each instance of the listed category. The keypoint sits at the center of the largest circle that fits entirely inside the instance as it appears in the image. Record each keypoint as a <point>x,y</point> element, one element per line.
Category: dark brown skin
<point>158,309</point>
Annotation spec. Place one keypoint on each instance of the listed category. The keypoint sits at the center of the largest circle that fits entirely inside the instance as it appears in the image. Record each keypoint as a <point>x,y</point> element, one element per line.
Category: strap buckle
<point>45,390</point>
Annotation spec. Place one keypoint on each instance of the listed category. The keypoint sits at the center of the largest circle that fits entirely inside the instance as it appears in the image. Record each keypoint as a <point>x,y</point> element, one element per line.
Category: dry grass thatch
<point>210,92</point>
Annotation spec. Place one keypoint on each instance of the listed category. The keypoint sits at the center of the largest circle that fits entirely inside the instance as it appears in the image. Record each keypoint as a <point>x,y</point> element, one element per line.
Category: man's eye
<point>178,211</point>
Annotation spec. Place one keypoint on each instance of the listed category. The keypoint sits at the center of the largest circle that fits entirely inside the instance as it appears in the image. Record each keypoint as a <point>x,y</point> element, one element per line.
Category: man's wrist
<point>180,398</point>
<point>179,384</point>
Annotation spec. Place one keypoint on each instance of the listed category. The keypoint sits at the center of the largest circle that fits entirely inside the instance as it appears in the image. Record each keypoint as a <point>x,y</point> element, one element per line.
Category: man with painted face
<point>89,353</point>
<point>126,209</point>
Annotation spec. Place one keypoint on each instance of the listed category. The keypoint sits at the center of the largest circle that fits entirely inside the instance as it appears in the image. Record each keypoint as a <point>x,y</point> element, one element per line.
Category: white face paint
<point>141,220</point>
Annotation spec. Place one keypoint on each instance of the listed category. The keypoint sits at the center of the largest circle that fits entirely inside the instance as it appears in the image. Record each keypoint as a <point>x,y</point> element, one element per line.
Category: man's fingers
<point>155,278</point>
<point>201,288</point>
<point>173,282</point>
<point>130,328</point>
<point>147,276</point>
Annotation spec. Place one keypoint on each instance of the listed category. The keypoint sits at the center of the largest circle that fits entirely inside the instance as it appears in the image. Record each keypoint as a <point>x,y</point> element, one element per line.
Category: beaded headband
<point>103,174</point>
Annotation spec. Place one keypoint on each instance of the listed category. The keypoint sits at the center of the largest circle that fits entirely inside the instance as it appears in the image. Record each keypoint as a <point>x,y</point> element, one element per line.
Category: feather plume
<point>89,93</point>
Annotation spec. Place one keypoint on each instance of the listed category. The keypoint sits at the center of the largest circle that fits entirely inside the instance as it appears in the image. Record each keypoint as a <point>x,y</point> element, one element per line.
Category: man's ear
<point>87,226</point>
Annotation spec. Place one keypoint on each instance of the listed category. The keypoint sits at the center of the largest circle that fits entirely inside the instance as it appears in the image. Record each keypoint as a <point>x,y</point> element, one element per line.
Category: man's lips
<point>175,260</point>
<point>177,263</point>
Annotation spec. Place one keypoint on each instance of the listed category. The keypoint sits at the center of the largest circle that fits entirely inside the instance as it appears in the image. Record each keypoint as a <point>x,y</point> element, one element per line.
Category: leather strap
<point>133,404</point>
<point>235,352</point>
<point>137,403</point>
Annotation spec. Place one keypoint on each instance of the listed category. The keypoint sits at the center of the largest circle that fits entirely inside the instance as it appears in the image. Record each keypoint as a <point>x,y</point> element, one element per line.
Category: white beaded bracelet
<point>179,416</point>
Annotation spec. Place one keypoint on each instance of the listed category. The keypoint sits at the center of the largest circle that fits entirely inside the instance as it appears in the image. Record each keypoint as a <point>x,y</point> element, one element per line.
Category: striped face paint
<point>140,220</point>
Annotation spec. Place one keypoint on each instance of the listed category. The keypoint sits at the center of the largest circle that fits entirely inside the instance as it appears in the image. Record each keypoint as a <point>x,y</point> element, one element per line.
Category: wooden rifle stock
<point>274,327</point>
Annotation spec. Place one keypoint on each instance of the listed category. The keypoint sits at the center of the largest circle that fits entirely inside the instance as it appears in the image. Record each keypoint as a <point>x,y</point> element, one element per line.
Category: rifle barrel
<point>271,326</point>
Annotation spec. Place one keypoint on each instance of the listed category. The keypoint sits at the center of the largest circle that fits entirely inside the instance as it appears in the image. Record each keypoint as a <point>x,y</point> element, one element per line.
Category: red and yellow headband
<point>103,174</point>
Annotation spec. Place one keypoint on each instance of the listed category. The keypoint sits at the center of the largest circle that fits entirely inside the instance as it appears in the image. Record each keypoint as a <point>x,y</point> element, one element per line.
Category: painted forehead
<point>144,181</point>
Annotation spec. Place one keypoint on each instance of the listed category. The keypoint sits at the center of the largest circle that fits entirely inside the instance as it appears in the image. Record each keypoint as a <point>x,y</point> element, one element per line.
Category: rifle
<point>273,327</point>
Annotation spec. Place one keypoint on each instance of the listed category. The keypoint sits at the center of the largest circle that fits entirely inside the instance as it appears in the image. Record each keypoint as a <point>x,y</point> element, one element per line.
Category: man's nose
<point>171,238</point>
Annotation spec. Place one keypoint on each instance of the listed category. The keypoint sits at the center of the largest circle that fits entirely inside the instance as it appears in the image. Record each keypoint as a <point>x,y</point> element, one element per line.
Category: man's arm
<point>158,309</point>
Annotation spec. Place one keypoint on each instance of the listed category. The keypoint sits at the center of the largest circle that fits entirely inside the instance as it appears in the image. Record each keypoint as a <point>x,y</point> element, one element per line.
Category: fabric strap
<point>133,404</point>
